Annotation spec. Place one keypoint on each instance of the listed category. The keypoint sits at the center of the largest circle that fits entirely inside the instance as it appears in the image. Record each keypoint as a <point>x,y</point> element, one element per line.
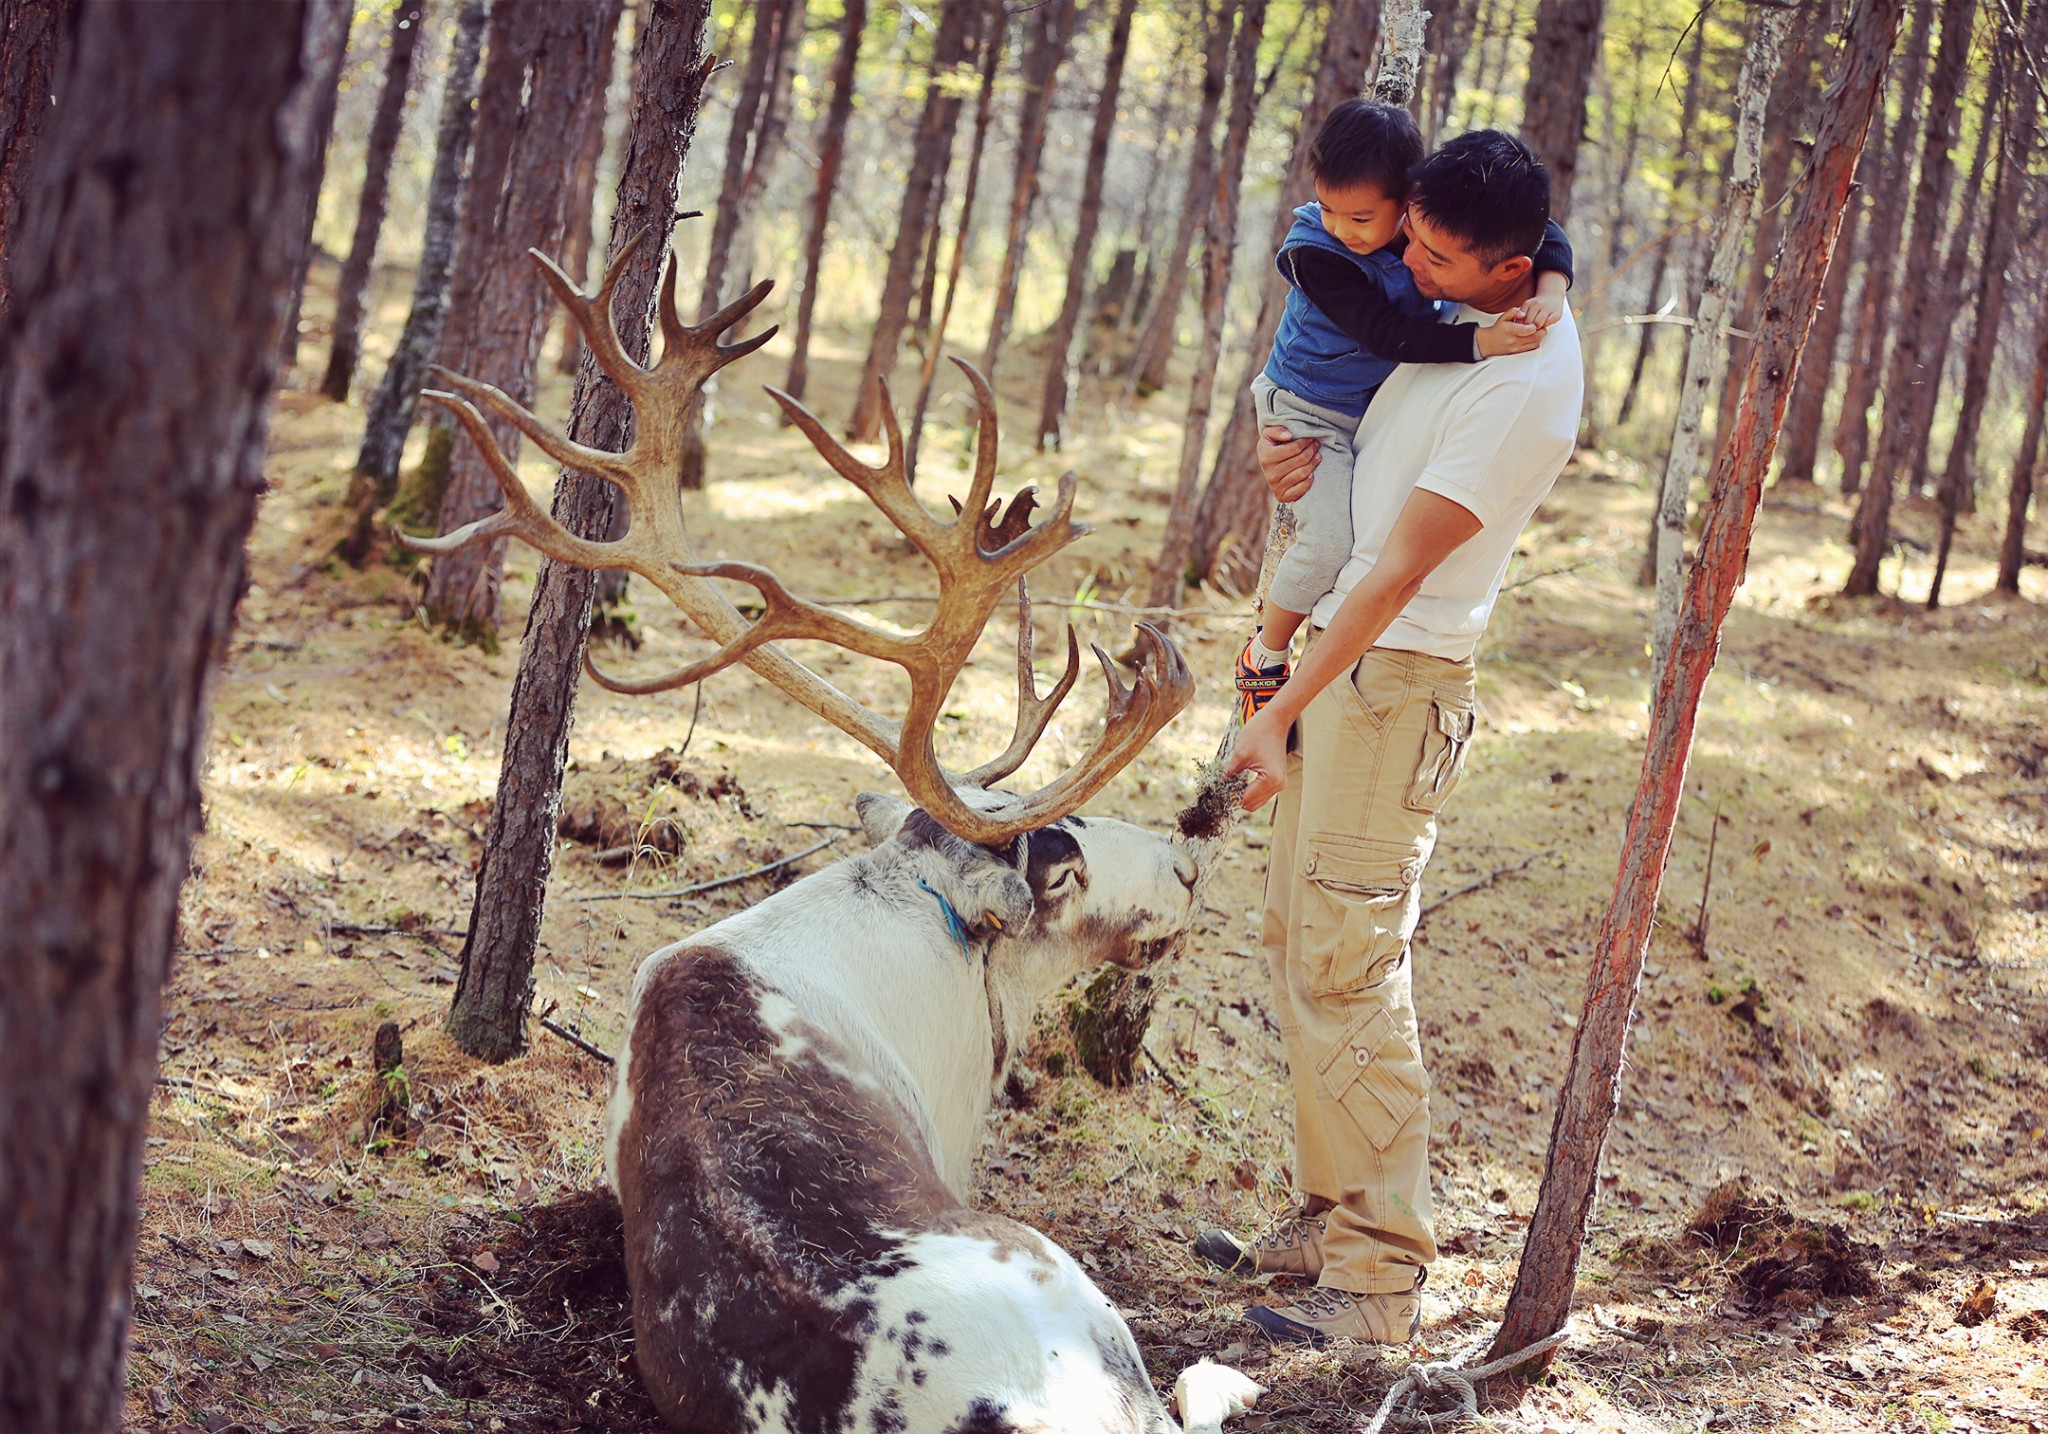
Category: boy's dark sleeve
<point>1362,309</point>
<point>1554,254</point>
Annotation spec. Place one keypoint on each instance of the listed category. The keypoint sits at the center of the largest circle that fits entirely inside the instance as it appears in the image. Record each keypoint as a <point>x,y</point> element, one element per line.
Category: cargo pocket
<point>1376,1076</point>
<point>1445,738</point>
<point>1356,918</point>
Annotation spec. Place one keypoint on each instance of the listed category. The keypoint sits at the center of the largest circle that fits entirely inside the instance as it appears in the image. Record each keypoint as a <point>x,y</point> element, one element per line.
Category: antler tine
<point>521,517</point>
<point>564,450</point>
<point>986,439</point>
<point>592,313</point>
<point>884,486</point>
<point>695,347</point>
<point>1033,711</point>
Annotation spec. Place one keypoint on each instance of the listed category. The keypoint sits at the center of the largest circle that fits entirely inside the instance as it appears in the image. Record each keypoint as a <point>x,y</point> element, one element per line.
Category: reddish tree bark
<point>1799,445</point>
<point>150,283</point>
<point>352,290</point>
<point>582,209</point>
<point>853,23</point>
<point>29,35</point>
<point>1051,27</point>
<point>1890,200</point>
<point>1150,355</point>
<point>1564,51</point>
<point>556,56</point>
<point>1937,169</point>
<point>1053,408</point>
<point>934,146</point>
<point>308,124</point>
<point>2012,552</point>
<point>1231,520</point>
<point>488,1015</point>
<point>1219,242</point>
<point>1541,1299</point>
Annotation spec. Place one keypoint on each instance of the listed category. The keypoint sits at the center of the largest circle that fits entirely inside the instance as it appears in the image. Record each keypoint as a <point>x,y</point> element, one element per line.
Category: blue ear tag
<point>954,925</point>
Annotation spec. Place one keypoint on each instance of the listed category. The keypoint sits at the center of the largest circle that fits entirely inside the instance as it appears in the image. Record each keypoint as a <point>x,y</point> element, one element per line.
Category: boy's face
<point>1361,217</point>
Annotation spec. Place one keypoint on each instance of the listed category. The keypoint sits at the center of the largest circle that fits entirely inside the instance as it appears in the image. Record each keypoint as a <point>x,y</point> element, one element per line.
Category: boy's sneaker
<point>1322,1315</point>
<point>1256,685</point>
<point>1293,1246</point>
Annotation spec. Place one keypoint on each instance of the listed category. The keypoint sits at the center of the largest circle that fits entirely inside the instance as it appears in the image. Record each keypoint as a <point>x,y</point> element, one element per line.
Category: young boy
<point>1353,313</point>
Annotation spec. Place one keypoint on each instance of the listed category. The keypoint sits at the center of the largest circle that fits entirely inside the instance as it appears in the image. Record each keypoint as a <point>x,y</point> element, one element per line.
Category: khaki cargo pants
<point>1373,761</point>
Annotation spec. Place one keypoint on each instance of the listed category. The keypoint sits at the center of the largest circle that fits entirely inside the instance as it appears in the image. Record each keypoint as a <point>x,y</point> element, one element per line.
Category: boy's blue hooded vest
<point>1312,358</point>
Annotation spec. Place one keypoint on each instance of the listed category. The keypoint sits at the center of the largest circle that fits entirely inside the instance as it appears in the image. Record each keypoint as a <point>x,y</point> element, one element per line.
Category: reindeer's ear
<point>881,816</point>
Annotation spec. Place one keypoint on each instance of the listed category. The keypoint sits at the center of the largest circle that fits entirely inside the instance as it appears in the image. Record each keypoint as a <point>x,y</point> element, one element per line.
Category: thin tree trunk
<point>950,47</point>
<point>1219,243</point>
<point>1799,448</point>
<point>1231,520</point>
<point>928,263</point>
<point>150,282</point>
<point>353,289</point>
<point>1450,63</point>
<point>582,210</point>
<point>1541,1298</point>
<point>1154,349</point>
<point>488,1016</point>
<point>984,110</point>
<point>29,36</point>
<point>1495,35</point>
<point>1891,199</point>
<point>1051,28</point>
<point>1059,348</point>
<point>308,124</point>
<point>557,56</point>
<point>1706,354</point>
<point>397,396</point>
<point>2012,552</point>
<point>831,155</point>
<point>1564,51</point>
<point>1937,168</point>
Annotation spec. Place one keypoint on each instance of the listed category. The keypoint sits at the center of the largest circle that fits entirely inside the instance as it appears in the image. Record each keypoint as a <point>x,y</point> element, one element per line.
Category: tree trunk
<point>1495,32</point>
<point>2012,553</point>
<point>1455,43</point>
<point>1541,1299</point>
<point>307,125</point>
<point>582,210</point>
<point>2014,156</point>
<point>1154,349</point>
<point>1799,448</point>
<point>488,1017</point>
<point>831,154</point>
<point>554,61</point>
<point>1890,199</point>
<point>1706,354</point>
<point>397,397</point>
<point>934,148</point>
<point>984,110</point>
<point>1231,520</point>
<point>1564,51</point>
<point>353,289</point>
<point>1873,510</point>
<point>29,37</point>
<point>1219,243</point>
<point>772,21</point>
<point>1051,29</point>
<point>150,282</point>
<point>1059,348</point>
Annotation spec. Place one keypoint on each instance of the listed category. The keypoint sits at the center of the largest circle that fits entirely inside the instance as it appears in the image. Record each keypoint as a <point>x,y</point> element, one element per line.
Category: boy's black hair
<point>1366,143</point>
<point>1486,189</point>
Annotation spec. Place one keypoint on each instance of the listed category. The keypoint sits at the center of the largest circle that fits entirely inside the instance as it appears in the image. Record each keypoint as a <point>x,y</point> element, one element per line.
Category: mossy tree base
<point>1108,1022</point>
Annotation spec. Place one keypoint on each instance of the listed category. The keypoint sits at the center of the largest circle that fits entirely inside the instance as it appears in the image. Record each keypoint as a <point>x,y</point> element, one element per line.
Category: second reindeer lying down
<point>804,1085</point>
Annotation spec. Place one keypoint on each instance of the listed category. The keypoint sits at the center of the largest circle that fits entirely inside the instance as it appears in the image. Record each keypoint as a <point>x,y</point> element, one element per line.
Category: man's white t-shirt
<point>1490,436</point>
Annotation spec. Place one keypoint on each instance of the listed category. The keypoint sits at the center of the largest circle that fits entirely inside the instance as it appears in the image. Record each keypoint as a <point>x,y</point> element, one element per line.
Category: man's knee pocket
<point>1376,1076</point>
<point>1358,900</point>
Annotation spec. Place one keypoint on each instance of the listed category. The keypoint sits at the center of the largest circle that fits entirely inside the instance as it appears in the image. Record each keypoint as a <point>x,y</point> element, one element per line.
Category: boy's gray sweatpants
<point>1322,515</point>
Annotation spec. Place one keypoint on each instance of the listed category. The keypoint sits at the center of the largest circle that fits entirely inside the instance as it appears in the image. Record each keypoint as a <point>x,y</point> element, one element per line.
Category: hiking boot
<point>1323,1314</point>
<point>1256,685</point>
<point>1292,1246</point>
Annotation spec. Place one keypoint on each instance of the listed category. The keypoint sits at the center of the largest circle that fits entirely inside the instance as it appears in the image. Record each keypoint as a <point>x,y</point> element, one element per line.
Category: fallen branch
<point>350,928</point>
<point>1479,885</point>
<point>547,1024</point>
<point>1546,573</point>
<point>711,885</point>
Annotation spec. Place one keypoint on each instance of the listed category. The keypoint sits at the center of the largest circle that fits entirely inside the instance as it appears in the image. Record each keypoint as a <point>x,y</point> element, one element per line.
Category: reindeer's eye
<point>1065,878</point>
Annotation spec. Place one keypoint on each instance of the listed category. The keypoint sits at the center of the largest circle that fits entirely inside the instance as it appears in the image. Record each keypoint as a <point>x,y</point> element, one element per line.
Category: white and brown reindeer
<point>804,1085</point>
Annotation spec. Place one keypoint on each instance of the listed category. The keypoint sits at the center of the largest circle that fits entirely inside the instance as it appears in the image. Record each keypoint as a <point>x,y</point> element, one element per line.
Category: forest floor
<point>1860,1036</point>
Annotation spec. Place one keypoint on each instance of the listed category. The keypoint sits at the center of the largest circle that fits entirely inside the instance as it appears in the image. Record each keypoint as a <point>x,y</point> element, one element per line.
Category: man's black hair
<point>1488,191</point>
<point>1366,143</point>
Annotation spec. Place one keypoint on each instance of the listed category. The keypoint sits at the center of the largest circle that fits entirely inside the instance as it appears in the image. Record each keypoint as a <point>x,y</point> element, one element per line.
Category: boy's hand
<point>1289,463</point>
<point>1543,310</point>
<point>1509,334</point>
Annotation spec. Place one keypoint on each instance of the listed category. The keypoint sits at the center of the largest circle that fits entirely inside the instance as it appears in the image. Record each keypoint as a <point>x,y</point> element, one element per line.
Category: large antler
<point>978,555</point>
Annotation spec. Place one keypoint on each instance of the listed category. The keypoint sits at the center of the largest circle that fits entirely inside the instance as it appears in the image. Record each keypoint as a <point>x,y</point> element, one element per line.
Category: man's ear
<point>1509,270</point>
<point>881,815</point>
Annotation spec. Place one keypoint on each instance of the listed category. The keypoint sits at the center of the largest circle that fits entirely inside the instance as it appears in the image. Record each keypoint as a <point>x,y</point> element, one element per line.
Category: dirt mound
<point>1736,1212</point>
<point>542,1296</point>
<point>1791,1261</point>
<point>626,807</point>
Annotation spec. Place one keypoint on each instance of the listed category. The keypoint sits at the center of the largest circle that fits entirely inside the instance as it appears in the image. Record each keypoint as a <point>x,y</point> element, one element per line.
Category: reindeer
<point>803,1086</point>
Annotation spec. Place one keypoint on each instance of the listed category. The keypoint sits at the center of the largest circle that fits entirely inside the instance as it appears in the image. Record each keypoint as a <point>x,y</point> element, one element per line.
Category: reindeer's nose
<point>1184,867</point>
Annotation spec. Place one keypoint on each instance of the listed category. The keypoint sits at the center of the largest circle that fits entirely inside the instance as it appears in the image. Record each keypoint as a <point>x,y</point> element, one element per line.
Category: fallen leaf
<point>160,1400</point>
<point>258,1249</point>
<point>1979,1306</point>
<point>224,1273</point>
<point>485,1261</point>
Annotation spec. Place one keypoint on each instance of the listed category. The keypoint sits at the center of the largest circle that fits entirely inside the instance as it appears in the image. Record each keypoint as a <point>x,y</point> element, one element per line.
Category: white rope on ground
<point>1452,1377</point>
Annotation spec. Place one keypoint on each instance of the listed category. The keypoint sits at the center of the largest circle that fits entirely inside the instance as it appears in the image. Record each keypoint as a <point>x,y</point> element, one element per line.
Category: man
<point>1366,739</point>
